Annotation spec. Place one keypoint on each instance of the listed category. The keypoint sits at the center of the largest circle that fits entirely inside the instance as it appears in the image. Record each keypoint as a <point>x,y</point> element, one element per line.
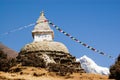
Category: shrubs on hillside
<point>5,63</point>
<point>115,70</point>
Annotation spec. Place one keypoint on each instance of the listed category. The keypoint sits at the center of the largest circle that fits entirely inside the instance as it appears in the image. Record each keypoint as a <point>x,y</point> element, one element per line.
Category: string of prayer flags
<point>17,29</point>
<point>78,41</point>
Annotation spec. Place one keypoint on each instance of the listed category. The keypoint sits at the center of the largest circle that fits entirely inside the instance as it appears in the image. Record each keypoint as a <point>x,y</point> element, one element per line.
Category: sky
<point>94,22</point>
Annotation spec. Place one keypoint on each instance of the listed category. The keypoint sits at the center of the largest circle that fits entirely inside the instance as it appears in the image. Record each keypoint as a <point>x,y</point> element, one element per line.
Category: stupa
<point>43,37</point>
<point>45,48</point>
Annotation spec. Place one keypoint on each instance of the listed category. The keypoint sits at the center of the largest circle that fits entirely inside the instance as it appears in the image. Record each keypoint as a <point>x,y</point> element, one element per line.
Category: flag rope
<point>78,41</point>
<point>17,29</point>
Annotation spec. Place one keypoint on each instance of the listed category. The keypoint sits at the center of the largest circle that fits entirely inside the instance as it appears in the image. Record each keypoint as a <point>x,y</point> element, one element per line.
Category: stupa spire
<point>42,13</point>
<point>42,17</point>
<point>42,30</point>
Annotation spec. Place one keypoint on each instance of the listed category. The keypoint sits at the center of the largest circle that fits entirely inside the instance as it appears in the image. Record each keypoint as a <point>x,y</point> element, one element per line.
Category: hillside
<point>32,73</point>
<point>10,53</point>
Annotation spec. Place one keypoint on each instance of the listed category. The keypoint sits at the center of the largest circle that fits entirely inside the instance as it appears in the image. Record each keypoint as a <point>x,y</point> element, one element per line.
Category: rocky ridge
<point>10,53</point>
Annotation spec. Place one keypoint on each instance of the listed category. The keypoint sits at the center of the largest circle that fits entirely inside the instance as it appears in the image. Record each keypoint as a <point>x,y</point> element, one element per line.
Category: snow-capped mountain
<point>91,67</point>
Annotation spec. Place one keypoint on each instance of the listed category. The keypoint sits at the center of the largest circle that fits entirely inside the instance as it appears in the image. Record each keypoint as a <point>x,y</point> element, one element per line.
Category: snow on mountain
<point>91,67</point>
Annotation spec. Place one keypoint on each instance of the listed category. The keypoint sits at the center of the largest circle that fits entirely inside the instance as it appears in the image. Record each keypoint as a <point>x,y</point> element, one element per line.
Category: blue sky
<point>95,22</point>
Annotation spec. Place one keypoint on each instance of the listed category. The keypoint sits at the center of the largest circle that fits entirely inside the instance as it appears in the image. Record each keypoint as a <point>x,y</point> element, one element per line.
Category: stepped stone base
<point>59,62</point>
